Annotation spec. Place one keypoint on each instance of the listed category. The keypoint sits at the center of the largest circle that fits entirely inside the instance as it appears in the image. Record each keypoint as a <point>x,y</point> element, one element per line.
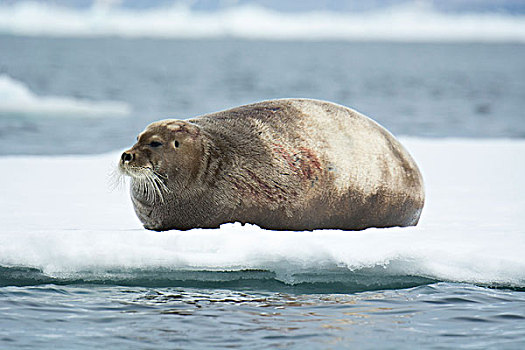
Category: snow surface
<point>59,214</point>
<point>407,22</point>
<point>17,98</point>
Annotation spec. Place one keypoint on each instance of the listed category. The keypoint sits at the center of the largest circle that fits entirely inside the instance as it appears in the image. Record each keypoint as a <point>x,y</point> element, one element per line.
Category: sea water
<point>77,270</point>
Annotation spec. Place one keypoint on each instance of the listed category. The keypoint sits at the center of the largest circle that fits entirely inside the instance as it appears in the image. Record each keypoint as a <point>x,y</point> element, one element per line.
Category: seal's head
<point>168,153</point>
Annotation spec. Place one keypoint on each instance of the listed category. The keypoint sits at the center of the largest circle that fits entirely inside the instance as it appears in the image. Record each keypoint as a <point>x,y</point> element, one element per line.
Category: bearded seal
<point>288,164</point>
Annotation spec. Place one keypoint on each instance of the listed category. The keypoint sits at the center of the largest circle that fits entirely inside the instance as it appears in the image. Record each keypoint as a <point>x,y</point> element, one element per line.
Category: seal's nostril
<point>126,157</point>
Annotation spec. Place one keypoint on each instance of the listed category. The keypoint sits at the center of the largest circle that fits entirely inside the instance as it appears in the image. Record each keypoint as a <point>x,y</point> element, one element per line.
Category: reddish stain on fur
<point>192,130</point>
<point>283,153</point>
<point>303,163</point>
<point>308,163</point>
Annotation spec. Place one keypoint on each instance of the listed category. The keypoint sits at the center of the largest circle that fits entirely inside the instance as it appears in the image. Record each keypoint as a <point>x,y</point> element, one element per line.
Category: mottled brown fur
<point>291,164</point>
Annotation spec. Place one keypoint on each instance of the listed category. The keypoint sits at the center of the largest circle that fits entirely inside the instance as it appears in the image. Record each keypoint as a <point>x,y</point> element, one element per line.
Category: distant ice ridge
<point>16,98</point>
<point>59,216</point>
<point>410,22</point>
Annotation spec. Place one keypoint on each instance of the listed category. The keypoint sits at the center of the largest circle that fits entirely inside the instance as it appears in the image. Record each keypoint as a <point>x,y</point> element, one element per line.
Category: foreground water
<point>436,316</point>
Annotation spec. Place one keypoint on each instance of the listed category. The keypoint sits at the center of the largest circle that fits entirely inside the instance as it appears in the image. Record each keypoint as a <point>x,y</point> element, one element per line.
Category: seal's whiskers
<point>155,187</point>
<point>150,184</point>
<point>160,180</point>
<point>116,179</point>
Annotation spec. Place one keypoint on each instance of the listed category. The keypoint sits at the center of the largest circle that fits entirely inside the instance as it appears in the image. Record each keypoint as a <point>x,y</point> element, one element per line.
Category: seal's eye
<point>176,143</point>
<point>155,144</point>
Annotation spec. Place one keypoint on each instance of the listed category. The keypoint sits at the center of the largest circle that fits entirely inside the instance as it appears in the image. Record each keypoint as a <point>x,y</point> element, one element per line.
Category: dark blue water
<point>435,316</point>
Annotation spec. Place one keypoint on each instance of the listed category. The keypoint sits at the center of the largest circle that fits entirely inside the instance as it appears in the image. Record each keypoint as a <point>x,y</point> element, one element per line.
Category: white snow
<point>17,98</point>
<point>407,22</point>
<point>59,214</point>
